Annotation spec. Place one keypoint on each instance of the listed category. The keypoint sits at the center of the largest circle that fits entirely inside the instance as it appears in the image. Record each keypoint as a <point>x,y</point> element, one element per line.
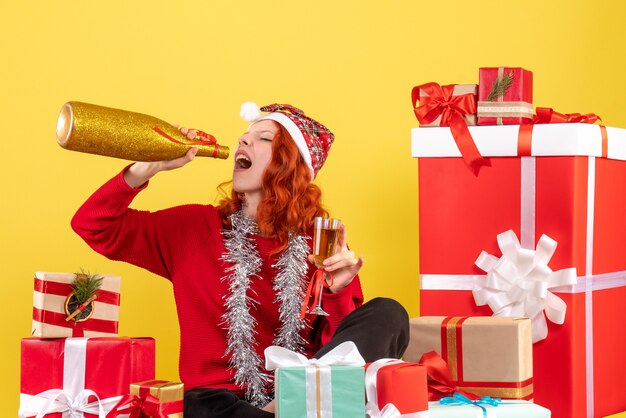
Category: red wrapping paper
<point>403,385</point>
<point>516,104</point>
<point>461,215</point>
<point>112,364</point>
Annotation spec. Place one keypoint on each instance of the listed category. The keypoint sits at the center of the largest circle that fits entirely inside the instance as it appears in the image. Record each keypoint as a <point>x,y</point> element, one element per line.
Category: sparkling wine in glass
<point>325,236</point>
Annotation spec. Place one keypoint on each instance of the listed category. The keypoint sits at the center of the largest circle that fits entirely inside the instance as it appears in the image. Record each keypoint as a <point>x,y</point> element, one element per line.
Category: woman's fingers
<point>340,260</point>
<point>189,133</point>
<point>359,263</point>
<point>344,271</point>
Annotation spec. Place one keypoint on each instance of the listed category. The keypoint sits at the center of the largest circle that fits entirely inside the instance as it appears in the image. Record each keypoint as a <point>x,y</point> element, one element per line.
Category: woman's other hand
<point>343,265</point>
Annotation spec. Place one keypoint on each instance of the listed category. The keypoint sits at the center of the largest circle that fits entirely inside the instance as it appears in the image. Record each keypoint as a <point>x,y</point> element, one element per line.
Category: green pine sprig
<point>500,87</point>
<point>85,285</point>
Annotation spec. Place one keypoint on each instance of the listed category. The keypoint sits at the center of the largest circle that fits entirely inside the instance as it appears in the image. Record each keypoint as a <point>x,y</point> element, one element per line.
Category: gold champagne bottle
<point>128,135</point>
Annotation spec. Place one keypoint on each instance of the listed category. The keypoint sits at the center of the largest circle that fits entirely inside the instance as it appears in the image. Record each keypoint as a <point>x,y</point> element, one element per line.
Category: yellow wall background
<point>350,64</point>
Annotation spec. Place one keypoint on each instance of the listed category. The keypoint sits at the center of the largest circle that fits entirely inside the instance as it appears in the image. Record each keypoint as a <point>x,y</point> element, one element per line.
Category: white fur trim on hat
<point>249,111</point>
<point>295,133</point>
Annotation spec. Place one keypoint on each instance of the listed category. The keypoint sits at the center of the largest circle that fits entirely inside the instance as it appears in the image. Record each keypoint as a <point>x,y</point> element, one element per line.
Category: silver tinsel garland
<point>290,284</point>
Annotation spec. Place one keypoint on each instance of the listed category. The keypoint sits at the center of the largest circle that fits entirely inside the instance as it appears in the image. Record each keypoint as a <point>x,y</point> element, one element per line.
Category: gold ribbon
<point>318,394</point>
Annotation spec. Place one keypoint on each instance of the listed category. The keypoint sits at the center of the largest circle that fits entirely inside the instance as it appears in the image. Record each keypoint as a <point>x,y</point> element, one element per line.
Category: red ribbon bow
<point>314,290</point>
<point>549,115</point>
<point>145,406</point>
<point>440,101</point>
<point>440,383</point>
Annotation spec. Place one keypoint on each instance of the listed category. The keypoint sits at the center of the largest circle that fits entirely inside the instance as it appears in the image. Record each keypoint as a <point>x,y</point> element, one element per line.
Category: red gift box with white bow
<point>76,376</point>
<point>538,233</point>
<point>395,388</point>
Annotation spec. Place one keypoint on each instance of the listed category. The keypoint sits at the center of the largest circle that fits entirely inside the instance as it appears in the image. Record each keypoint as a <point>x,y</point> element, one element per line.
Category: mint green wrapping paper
<point>346,386</point>
<point>506,409</point>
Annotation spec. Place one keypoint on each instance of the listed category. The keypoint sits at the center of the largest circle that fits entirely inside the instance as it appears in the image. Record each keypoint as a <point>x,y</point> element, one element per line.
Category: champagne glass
<point>325,236</point>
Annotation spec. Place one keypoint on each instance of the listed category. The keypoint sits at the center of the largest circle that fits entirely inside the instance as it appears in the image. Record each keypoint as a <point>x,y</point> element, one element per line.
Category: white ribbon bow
<point>57,400</point>
<point>388,411</point>
<point>345,354</point>
<point>519,283</point>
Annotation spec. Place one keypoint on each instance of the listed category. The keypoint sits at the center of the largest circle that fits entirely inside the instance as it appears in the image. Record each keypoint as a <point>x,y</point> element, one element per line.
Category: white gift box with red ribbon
<point>552,139</point>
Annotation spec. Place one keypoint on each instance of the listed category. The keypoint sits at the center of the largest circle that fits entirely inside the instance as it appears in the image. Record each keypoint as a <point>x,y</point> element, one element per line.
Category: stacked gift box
<point>453,367</point>
<point>523,216</point>
<point>76,365</point>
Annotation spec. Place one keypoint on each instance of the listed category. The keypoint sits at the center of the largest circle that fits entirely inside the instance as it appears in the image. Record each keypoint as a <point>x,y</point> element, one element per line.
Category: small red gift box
<point>74,375</point>
<point>52,293</point>
<point>153,398</point>
<point>505,96</point>
<point>566,181</point>
<point>393,385</point>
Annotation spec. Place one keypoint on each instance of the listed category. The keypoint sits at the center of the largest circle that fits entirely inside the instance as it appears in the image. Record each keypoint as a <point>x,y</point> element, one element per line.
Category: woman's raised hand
<point>140,172</point>
<point>343,265</point>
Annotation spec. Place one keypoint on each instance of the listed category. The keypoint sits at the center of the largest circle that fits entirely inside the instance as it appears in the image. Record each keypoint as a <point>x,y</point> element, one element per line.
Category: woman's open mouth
<point>242,162</point>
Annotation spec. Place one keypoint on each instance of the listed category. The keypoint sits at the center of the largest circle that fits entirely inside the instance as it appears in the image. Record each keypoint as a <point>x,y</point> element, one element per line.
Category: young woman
<point>240,270</point>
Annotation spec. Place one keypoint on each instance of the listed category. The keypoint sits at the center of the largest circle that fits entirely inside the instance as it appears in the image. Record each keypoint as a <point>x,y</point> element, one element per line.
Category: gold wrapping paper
<point>128,135</point>
<point>164,391</point>
<point>494,350</point>
<point>459,89</point>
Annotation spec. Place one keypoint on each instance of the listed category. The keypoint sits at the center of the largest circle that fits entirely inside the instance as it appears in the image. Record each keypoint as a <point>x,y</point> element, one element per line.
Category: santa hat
<point>311,137</point>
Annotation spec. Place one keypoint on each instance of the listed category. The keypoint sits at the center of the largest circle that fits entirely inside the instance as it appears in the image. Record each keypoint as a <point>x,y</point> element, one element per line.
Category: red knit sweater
<point>184,244</point>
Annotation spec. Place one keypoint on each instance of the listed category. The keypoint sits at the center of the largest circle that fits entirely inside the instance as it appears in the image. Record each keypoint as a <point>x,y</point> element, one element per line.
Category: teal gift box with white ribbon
<point>320,391</point>
<point>331,386</point>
